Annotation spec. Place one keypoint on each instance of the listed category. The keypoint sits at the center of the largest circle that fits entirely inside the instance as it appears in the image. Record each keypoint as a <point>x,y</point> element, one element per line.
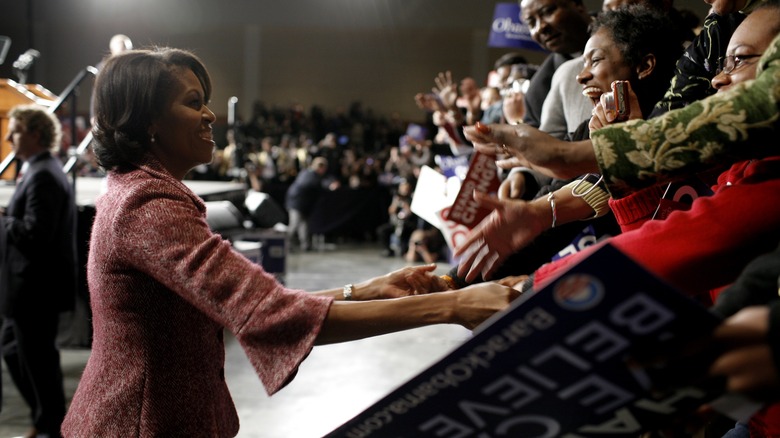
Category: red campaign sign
<point>453,233</point>
<point>482,176</point>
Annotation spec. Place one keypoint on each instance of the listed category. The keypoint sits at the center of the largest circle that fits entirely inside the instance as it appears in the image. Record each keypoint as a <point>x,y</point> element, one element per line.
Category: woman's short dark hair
<point>638,31</point>
<point>131,90</point>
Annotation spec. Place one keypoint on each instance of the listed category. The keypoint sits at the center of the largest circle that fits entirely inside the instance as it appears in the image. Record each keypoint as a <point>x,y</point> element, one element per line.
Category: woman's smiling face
<point>749,41</point>
<point>602,64</point>
<point>182,134</point>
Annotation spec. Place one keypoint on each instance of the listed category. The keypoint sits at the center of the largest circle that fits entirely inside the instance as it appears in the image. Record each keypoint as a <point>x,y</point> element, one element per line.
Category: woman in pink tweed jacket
<point>163,286</point>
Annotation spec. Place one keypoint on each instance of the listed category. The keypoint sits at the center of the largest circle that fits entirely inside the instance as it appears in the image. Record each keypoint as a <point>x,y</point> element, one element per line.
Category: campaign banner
<point>454,233</point>
<point>507,30</point>
<point>433,193</point>
<point>553,365</point>
<point>453,166</point>
<point>482,176</point>
<point>584,239</point>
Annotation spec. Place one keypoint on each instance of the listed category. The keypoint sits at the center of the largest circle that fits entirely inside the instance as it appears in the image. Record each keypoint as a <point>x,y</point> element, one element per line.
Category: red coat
<point>162,288</point>
<point>707,246</point>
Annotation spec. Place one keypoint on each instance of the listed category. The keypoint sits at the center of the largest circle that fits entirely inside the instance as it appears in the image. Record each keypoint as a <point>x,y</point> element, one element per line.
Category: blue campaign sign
<point>508,30</point>
<point>453,166</point>
<point>554,364</point>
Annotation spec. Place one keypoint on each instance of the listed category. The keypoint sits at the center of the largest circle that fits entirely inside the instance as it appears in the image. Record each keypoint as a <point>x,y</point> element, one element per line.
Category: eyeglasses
<point>727,64</point>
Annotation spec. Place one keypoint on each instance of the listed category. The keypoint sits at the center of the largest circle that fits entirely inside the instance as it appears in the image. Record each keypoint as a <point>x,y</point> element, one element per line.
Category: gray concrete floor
<point>334,384</point>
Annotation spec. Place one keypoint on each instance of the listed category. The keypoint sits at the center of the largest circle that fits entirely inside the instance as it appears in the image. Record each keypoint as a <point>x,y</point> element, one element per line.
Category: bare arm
<point>411,280</point>
<point>347,321</point>
<point>536,149</point>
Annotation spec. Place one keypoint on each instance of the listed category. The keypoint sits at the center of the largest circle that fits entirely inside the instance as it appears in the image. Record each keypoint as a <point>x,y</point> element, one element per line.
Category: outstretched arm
<point>514,224</point>
<point>535,149</point>
<point>468,307</point>
<point>411,280</point>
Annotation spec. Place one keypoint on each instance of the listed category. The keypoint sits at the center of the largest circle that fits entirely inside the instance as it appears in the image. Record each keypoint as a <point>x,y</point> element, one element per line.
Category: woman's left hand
<point>511,225</point>
<point>602,117</point>
<point>747,362</point>
<point>411,280</point>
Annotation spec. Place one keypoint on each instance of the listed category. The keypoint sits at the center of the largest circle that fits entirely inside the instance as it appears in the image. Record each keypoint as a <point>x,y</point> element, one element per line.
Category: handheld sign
<point>507,30</point>
<point>552,365</point>
<point>482,176</point>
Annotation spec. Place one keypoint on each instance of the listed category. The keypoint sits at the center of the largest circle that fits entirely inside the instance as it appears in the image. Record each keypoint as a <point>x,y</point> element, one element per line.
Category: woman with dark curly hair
<point>633,44</point>
<point>641,45</point>
<point>163,286</point>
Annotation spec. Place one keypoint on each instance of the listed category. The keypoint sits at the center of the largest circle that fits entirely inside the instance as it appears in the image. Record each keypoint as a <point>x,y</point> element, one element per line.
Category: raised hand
<point>446,89</point>
<point>512,225</point>
<point>535,149</point>
<point>603,116</point>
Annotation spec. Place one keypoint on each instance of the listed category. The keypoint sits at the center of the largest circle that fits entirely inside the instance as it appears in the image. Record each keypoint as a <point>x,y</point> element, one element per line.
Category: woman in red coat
<point>163,286</point>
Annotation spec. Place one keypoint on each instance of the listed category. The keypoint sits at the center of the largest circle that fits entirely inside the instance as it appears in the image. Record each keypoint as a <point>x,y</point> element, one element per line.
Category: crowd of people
<point>720,248</point>
<point>630,100</point>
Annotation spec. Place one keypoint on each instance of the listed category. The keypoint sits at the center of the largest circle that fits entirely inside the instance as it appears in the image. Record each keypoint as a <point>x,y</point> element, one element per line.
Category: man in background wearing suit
<point>38,277</point>
<point>560,26</point>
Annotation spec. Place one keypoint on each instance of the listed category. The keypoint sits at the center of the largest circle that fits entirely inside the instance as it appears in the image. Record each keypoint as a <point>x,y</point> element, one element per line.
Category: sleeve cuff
<point>636,208</point>
<point>593,194</point>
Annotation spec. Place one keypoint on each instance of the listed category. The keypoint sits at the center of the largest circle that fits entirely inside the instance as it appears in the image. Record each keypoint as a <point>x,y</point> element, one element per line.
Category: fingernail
<point>481,127</point>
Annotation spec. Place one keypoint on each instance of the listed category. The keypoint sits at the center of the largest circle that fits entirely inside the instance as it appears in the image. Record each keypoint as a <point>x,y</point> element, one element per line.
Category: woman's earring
<point>152,140</point>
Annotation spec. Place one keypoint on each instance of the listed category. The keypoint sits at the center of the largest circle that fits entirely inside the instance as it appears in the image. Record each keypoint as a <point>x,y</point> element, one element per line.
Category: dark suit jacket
<point>39,270</point>
<point>540,87</point>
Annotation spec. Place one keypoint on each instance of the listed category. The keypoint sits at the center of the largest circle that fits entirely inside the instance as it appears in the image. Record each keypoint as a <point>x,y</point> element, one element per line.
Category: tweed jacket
<point>163,287</point>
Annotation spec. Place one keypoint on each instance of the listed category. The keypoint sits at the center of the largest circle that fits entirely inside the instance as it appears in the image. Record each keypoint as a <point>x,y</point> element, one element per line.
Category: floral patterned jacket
<point>730,126</point>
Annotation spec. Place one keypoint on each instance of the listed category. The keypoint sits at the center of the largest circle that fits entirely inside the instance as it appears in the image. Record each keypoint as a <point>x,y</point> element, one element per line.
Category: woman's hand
<point>747,362</point>
<point>514,108</point>
<point>446,89</point>
<point>511,226</point>
<point>429,102</point>
<point>509,162</point>
<point>513,281</point>
<point>513,187</point>
<point>534,149</point>
<point>476,303</point>
<point>603,117</point>
<point>469,307</point>
<point>411,280</point>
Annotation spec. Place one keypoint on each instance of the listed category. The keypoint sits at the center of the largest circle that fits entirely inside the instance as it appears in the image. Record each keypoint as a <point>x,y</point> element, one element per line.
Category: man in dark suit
<point>302,196</point>
<point>39,270</point>
<point>560,26</point>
